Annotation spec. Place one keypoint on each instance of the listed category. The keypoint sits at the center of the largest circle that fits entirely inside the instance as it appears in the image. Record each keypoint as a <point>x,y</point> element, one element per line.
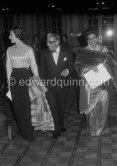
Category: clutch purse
<point>98,78</point>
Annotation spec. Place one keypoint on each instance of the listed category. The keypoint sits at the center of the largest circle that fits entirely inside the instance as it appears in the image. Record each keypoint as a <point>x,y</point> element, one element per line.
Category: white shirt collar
<point>56,55</point>
<point>58,49</point>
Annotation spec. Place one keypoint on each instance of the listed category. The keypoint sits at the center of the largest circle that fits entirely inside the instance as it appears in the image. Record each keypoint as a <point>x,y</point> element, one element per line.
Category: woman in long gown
<point>94,102</point>
<point>28,99</point>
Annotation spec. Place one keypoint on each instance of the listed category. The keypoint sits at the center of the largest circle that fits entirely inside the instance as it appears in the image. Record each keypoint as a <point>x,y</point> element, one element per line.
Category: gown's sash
<point>40,111</point>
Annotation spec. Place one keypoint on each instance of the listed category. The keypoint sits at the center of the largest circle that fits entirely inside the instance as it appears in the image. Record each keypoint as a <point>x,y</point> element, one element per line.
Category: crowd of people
<point>38,82</point>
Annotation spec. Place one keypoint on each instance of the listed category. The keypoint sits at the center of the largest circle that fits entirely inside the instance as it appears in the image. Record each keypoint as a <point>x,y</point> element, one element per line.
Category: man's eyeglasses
<point>51,42</point>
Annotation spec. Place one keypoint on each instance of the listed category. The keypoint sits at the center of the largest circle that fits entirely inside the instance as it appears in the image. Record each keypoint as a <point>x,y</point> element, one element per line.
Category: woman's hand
<point>38,82</point>
<point>95,69</point>
<point>86,69</point>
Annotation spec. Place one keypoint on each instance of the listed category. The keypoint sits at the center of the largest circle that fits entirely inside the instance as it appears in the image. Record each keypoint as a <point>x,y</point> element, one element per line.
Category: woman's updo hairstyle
<point>18,31</point>
<point>90,31</point>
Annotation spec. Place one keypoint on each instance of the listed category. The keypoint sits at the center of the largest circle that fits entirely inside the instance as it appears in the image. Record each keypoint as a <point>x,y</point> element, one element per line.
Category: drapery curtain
<point>42,24</point>
<point>74,24</point>
<point>32,24</point>
<point>1,32</point>
<point>115,36</point>
<point>115,42</point>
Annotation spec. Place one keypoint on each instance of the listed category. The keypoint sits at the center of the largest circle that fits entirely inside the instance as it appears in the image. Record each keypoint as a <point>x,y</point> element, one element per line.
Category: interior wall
<point>115,36</point>
<point>73,24</point>
<point>30,24</point>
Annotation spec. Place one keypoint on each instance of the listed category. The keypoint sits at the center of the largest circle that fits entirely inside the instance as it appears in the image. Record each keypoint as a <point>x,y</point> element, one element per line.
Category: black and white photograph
<point>58,83</point>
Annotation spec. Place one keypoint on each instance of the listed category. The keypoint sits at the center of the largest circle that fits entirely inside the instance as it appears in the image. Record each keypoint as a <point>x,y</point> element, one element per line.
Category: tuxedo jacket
<point>49,70</point>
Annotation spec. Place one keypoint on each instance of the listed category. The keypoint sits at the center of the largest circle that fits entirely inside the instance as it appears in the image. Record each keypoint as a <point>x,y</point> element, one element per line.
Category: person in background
<point>36,45</point>
<point>56,67</point>
<point>65,41</point>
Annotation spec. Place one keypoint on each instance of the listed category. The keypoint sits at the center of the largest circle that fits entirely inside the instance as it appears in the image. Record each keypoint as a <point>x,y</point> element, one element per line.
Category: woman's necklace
<point>95,49</point>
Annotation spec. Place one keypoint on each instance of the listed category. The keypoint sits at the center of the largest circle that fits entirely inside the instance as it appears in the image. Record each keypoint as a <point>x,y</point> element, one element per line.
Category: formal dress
<point>21,68</point>
<point>93,102</point>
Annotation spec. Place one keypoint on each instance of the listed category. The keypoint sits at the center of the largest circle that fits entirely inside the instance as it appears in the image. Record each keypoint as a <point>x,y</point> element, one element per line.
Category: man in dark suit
<point>56,66</point>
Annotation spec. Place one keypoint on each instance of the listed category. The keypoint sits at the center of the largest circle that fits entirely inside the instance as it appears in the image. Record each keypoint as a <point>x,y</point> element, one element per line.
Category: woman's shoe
<point>55,136</point>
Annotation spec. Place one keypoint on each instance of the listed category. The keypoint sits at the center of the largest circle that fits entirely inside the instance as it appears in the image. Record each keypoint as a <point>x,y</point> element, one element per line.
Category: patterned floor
<point>76,148</point>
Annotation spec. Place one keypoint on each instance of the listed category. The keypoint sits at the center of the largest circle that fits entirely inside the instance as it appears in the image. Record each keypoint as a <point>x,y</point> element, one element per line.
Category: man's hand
<point>65,73</point>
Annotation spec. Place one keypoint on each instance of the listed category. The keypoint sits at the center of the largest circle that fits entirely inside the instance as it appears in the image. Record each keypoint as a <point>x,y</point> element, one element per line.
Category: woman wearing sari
<point>93,102</point>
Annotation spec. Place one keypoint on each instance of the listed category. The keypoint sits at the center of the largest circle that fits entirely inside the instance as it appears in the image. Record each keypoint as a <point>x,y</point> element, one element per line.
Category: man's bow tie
<point>53,51</point>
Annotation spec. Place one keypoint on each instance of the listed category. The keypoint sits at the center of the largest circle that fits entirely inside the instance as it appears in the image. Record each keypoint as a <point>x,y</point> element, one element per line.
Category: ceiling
<point>79,6</point>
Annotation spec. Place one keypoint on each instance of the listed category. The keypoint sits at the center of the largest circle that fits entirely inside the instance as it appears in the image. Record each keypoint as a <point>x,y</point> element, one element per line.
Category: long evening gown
<point>94,104</point>
<point>31,108</point>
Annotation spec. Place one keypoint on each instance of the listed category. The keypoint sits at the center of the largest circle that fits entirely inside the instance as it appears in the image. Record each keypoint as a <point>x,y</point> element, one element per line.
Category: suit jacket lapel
<point>60,58</point>
<point>51,59</point>
<point>52,65</point>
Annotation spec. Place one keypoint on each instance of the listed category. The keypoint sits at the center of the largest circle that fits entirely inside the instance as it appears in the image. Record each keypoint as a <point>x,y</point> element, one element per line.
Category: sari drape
<point>94,103</point>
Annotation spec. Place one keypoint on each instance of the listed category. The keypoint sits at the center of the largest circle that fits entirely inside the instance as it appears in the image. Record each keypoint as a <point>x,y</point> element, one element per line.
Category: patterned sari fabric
<point>40,110</point>
<point>94,103</point>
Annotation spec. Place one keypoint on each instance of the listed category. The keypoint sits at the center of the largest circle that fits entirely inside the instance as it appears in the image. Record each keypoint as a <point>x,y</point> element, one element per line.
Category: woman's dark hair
<point>90,31</point>
<point>18,31</point>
